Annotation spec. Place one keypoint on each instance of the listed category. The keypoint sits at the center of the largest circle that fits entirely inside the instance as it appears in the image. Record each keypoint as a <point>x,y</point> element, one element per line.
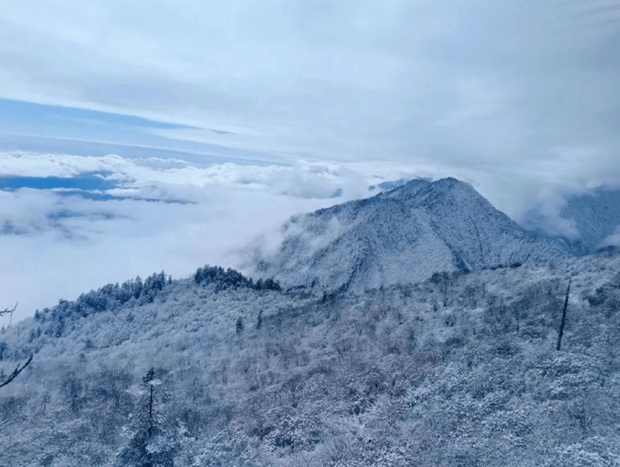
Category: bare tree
<point>561,333</point>
<point>9,311</point>
<point>18,369</point>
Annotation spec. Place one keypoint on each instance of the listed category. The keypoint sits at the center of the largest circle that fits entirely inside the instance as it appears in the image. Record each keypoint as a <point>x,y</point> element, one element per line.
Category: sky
<point>177,132</point>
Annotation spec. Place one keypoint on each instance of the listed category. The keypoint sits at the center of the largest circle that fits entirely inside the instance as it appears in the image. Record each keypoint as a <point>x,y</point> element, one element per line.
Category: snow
<point>400,237</point>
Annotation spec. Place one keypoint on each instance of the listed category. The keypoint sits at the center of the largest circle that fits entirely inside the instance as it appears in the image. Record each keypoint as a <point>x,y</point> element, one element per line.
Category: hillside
<point>459,370</point>
<point>400,237</point>
<point>591,220</point>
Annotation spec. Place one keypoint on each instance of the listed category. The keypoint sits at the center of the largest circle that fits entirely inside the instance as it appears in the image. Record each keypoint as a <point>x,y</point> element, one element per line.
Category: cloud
<point>465,84</point>
<point>612,240</point>
<point>545,216</point>
<point>58,246</point>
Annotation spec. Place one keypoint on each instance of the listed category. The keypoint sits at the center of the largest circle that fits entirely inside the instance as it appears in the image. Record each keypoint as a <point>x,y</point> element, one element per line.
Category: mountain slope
<point>459,370</point>
<point>590,220</point>
<point>401,236</point>
<point>596,216</point>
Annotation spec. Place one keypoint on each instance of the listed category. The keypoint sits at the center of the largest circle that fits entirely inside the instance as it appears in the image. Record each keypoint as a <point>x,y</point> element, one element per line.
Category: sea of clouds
<point>71,223</point>
<point>62,234</point>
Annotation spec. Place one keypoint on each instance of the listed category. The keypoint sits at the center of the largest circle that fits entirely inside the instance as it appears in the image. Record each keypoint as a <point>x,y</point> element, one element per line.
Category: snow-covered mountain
<point>596,217</point>
<point>497,366</point>
<point>216,370</point>
<point>399,237</point>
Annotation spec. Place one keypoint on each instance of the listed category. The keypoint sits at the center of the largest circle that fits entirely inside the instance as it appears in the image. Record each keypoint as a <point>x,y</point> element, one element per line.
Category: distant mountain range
<point>591,220</point>
<point>402,236</point>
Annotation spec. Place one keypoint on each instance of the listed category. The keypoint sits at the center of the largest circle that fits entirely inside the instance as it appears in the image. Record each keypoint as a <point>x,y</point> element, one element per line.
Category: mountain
<point>472,365</point>
<point>589,221</point>
<point>401,236</point>
<point>596,217</point>
<point>216,370</point>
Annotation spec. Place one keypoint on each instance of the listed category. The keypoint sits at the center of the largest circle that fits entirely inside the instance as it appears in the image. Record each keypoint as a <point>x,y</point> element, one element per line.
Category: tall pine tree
<point>152,437</point>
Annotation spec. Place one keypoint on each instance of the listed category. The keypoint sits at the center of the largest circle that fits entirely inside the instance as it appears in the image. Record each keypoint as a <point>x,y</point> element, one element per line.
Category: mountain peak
<point>443,186</point>
<point>401,236</point>
<point>452,185</point>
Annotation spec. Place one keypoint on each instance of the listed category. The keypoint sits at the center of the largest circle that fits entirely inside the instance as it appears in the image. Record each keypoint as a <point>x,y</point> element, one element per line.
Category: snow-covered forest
<point>462,369</point>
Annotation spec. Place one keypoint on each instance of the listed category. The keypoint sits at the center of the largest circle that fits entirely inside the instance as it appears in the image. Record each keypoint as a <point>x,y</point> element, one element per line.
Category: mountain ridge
<point>458,370</point>
<point>588,220</point>
<point>400,236</point>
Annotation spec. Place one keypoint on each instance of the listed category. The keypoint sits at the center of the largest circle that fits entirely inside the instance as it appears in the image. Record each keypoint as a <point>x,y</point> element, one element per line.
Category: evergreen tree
<point>152,437</point>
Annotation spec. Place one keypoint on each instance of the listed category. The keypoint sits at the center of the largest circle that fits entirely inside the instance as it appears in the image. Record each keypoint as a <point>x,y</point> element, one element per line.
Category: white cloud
<point>545,215</point>
<point>612,240</point>
<point>467,84</point>
<point>58,246</point>
<point>57,165</point>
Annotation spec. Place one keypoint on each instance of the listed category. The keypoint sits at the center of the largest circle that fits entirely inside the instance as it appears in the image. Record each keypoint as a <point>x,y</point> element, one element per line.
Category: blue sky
<point>85,181</point>
<point>28,125</point>
<point>237,114</point>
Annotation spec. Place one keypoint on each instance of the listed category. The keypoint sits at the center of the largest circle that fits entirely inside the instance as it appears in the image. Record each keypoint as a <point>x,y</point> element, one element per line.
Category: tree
<point>561,332</point>
<point>18,369</point>
<point>9,311</point>
<point>153,438</point>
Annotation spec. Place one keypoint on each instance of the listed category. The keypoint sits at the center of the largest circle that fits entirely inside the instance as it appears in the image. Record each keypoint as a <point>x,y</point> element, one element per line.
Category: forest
<point>463,369</point>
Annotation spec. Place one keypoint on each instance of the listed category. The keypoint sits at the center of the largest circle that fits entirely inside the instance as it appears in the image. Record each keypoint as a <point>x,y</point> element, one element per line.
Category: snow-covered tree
<point>152,437</point>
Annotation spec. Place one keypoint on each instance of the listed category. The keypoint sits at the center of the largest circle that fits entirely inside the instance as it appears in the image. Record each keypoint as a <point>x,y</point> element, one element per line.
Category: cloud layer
<point>72,223</point>
<point>154,214</point>
<point>469,84</point>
